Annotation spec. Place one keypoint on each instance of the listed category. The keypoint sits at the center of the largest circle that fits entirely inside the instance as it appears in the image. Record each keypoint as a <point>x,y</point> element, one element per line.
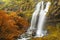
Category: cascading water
<point>41,12</point>
<point>41,20</point>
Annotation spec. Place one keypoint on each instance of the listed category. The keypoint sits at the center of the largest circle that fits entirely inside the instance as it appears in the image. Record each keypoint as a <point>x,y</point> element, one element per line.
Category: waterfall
<point>41,12</point>
<point>42,16</point>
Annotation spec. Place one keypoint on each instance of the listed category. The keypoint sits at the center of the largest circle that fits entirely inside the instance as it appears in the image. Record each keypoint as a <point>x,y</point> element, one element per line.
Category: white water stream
<point>41,12</point>
<point>42,16</point>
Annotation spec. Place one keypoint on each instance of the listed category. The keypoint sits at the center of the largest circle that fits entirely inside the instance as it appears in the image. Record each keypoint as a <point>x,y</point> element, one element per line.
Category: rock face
<point>11,26</point>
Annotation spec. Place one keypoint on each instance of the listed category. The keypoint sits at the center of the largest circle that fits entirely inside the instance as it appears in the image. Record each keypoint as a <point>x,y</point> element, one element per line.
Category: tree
<point>11,26</point>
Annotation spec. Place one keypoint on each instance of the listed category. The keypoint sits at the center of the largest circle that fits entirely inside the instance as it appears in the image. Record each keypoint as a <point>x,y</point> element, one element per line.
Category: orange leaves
<point>11,26</point>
